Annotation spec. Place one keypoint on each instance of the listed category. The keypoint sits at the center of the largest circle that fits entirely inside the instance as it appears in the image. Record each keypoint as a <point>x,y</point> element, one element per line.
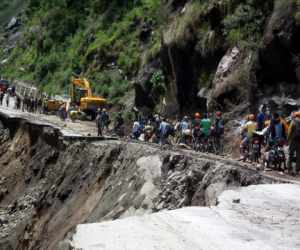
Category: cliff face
<point>49,183</point>
<point>230,54</point>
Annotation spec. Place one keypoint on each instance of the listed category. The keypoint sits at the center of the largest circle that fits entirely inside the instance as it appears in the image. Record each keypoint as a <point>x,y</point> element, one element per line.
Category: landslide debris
<point>253,218</point>
<point>49,184</point>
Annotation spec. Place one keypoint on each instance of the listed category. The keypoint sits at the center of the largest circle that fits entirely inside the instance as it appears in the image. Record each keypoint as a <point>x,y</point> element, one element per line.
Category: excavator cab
<point>79,93</point>
<point>82,97</point>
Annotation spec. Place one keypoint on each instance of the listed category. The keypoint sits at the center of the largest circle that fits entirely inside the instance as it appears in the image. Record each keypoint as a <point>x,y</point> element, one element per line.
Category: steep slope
<point>9,9</point>
<point>49,183</point>
<point>178,56</point>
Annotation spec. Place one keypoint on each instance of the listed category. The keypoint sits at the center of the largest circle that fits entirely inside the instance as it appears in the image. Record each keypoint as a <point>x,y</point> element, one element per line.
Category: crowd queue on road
<point>267,139</point>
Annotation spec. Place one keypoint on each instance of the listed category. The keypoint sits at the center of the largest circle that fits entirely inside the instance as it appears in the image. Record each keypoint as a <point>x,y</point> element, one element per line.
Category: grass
<point>297,15</point>
<point>179,31</point>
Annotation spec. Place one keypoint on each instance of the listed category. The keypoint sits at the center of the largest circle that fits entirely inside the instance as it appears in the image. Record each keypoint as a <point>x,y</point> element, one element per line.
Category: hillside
<point>224,53</point>
<point>9,8</point>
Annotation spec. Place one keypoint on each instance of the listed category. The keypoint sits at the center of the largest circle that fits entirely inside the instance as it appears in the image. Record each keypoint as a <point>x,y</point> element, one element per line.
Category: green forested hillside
<point>99,38</point>
<point>168,48</point>
<point>9,8</point>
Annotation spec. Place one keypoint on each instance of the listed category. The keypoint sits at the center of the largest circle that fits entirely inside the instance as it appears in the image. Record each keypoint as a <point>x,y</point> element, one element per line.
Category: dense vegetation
<point>99,38</point>
<point>110,41</point>
<point>8,9</point>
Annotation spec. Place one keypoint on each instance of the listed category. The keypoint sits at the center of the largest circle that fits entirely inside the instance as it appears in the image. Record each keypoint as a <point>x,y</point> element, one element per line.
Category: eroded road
<point>87,130</point>
<point>50,184</point>
<point>68,128</point>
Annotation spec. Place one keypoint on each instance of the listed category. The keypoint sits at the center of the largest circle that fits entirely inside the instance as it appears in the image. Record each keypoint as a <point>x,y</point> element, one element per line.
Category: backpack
<point>297,128</point>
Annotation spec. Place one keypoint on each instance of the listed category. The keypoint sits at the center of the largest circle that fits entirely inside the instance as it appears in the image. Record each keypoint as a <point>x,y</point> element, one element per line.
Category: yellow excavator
<point>82,97</point>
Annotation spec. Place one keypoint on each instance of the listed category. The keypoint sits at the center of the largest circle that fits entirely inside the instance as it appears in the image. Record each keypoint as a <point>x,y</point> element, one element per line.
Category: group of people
<point>32,104</point>
<point>102,121</point>
<point>193,132</point>
<point>28,103</point>
<point>6,96</point>
<point>265,137</point>
<point>161,130</point>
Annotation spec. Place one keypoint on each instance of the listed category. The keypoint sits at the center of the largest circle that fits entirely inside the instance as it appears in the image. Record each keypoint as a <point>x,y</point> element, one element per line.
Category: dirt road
<point>78,128</point>
<point>88,129</point>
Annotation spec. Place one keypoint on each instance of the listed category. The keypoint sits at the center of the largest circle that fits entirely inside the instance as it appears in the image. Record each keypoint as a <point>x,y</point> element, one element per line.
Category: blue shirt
<point>184,125</point>
<point>163,128</point>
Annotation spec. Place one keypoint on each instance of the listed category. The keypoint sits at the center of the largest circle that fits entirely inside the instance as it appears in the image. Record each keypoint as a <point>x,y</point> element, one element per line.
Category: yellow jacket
<point>291,130</point>
<point>249,128</point>
<point>285,125</point>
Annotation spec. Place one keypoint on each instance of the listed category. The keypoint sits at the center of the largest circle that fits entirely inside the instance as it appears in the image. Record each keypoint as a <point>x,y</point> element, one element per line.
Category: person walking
<point>18,102</point>
<point>261,118</point>
<point>205,125</point>
<point>277,132</point>
<point>185,131</point>
<point>105,119</point>
<point>62,112</point>
<point>1,97</point>
<point>294,143</point>
<point>136,130</point>
<point>99,123</point>
<point>7,97</point>
<point>196,121</point>
<point>118,125</point>
<point>218,132</point>
<point>164,131</point>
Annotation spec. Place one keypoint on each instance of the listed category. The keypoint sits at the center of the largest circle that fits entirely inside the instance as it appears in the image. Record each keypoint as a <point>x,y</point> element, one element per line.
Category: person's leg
<point>297,146</point>
<point>99,131</point>
<point>292,150</point>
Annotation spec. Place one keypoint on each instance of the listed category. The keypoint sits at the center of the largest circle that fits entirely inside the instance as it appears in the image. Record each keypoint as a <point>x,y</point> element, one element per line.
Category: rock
<point>65,245</point>
<point>3,220</point>
<point>144,97</point>
<point>65,194</point>
<point>267,219</point>
<point>234,80</point>
<point>13,23</point>
<point>226,64</point>
<point>3,193</point>
<point>236,201</point>
<point>279,54</point>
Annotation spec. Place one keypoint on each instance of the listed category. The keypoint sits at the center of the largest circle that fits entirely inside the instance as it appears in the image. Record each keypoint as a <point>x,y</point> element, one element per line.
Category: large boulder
<point>189,51</point>
<point>13,23</point>
<point>234,80</point>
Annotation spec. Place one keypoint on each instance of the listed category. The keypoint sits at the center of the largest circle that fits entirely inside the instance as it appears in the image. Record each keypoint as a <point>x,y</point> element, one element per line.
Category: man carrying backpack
<point>218,132</point>
<point>164,131</point>
<point>104,121</point>
<point>294,142</point>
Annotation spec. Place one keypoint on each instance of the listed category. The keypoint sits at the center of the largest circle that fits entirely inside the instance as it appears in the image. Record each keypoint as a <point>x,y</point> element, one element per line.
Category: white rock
<point>267,217</point>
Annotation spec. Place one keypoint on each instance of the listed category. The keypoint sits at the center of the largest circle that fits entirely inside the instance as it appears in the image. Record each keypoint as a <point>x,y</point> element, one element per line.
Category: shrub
<point>246,23</point>
<point>297,15</point>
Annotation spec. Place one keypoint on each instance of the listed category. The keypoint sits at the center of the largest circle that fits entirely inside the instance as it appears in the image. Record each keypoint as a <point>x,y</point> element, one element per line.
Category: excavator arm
<point>84,97</point>
<point>82,83</point>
